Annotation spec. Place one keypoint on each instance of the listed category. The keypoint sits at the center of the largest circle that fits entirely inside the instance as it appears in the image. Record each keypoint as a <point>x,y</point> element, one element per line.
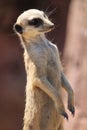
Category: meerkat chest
<point>35,59</point>
<point>41,58</point>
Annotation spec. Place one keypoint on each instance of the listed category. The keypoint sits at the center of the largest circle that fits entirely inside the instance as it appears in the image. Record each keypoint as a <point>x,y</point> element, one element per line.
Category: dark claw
<point>65,115</point>
<point>72,110</point>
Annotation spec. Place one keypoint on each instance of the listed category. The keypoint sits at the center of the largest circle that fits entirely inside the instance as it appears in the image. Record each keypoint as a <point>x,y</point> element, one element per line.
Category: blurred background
<point>70,34</point>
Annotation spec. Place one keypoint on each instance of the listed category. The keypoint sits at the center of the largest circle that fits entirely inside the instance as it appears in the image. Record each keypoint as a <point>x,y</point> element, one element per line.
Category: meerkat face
<point>33,22</point>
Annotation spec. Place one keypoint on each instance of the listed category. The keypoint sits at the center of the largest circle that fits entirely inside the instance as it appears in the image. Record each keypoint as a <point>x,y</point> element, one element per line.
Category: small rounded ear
<point>18,28</point>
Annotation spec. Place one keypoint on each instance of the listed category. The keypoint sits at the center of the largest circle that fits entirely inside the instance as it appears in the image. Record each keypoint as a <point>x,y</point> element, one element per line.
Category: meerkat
<point>44,109</point>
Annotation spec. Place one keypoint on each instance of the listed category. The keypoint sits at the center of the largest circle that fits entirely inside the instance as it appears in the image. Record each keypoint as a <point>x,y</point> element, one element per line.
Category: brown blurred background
<point>70,34</point>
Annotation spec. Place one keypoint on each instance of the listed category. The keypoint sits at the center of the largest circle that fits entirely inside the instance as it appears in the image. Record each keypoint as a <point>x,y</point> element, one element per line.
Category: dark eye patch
<point>35,22</point>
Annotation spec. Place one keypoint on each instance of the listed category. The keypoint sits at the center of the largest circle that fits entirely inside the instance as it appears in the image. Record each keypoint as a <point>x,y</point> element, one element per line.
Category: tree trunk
<point>75,55</point>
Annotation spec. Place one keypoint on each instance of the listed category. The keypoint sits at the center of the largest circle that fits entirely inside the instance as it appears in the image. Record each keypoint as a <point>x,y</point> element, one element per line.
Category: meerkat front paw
<point>65,115</point>
<point>71,109</point>
<point>62,112</point>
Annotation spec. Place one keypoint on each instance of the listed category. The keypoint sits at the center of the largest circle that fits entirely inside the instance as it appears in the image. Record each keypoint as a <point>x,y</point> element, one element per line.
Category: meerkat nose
<point>51,26</point>
<point>18,28</point>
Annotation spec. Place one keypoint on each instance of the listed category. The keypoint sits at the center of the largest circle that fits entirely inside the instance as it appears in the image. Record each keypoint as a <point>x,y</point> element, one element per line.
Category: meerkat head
<point>32,22</point>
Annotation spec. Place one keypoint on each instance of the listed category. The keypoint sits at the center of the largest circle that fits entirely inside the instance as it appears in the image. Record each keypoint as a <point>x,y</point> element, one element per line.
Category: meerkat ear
<point>18,28</point>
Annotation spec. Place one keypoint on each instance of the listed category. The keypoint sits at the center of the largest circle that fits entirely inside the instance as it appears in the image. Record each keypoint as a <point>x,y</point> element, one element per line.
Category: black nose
<point>18,28</point>
<point>51,26</point>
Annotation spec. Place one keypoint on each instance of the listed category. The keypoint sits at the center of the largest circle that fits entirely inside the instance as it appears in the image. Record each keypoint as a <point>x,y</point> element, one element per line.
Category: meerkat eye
<point>36,22</point>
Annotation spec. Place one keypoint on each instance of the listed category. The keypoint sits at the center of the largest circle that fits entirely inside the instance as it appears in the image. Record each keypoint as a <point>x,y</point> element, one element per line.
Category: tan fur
<point>44,109</point>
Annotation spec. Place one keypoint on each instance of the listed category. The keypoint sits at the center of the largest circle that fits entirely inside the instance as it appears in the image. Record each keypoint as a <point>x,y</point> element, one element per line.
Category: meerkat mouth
<point>50,28</point>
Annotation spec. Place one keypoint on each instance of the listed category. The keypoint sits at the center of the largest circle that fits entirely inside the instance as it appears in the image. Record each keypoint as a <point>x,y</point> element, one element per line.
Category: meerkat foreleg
<point>67,87</point>
<point>45,86</point>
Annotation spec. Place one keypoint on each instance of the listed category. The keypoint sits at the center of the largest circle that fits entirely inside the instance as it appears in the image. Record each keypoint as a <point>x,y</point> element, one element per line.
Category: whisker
<point>51,12</point>
<point>57,26</point>
<point>46,11</point>
<point>11,34</point>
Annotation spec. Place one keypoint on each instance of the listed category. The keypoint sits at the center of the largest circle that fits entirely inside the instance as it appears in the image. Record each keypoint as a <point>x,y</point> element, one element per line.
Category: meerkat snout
<point>36,22</point>
<point>51,26</point>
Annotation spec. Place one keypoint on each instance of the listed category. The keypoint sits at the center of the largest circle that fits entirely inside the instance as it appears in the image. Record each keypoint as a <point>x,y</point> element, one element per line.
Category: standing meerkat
<point>44,109</point>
